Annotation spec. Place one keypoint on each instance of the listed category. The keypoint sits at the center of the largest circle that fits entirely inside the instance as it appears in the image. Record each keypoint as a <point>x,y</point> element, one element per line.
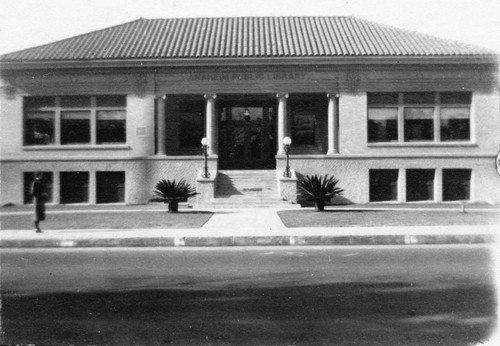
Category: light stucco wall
<point>353,173</point>
<point>351,165</point>
<point>140,177</point>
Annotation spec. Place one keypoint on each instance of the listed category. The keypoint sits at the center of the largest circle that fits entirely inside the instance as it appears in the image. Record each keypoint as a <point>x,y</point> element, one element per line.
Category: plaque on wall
<point>140,131</point>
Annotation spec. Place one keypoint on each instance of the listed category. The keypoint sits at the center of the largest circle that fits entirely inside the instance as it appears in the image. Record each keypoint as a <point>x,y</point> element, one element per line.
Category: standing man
<point>39,193</point>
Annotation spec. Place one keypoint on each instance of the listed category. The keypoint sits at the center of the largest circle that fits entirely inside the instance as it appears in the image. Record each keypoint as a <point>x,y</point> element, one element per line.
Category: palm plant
<point>173,192</point>
<point>319,189</point>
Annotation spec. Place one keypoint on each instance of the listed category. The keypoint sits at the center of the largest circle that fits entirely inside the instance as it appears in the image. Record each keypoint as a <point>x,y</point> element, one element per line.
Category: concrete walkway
<point>248,227</point>
<point>263,219</point>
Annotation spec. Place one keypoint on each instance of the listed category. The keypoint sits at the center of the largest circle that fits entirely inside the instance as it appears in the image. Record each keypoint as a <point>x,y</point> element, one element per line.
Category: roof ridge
<point>222,17</point>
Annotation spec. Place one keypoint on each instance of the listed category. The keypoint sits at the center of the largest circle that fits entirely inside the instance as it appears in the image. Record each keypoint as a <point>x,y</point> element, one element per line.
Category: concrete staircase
<point>247,189</point>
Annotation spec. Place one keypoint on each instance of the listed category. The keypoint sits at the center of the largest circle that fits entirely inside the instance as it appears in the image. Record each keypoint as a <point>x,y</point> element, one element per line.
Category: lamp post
<point>287,141</point>
<point>204,146</point>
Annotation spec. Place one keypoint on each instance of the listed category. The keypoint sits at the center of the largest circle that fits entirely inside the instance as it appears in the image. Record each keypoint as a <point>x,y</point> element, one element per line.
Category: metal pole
<point>206,174</point>
<point>287,169</point>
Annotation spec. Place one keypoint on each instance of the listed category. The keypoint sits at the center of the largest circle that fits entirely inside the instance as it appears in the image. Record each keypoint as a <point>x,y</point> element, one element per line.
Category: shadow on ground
<point>394,313</point>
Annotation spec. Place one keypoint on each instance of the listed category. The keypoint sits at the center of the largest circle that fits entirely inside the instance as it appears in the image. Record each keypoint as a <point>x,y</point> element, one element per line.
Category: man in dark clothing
<point>39,195</point>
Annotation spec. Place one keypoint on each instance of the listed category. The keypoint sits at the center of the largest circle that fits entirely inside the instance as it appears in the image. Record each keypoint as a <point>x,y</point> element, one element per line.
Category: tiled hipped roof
<point>250,37</point>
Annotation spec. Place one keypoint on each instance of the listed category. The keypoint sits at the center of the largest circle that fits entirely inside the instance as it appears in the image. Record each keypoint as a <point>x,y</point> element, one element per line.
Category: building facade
<point>396,116</point>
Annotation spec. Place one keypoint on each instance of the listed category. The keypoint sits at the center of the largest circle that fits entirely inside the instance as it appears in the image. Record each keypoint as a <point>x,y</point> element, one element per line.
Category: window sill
<point>421,144</point>
<point>77,147</point>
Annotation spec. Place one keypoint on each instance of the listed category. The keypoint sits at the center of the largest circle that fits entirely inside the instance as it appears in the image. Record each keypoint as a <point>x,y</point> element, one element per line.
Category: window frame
<point>58,111</point>
<point>436,105</point>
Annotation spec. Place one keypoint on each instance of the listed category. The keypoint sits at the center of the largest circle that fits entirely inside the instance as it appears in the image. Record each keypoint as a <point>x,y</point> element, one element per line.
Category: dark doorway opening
<point>247,132</point>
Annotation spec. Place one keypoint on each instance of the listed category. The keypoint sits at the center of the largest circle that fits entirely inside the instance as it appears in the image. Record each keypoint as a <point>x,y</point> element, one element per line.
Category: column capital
<point>332,95</point>
<point>210,96</point>
<point>281,96</point>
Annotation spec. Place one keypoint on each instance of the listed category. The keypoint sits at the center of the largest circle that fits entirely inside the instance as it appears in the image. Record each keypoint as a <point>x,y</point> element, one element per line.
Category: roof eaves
<point>255,61</point>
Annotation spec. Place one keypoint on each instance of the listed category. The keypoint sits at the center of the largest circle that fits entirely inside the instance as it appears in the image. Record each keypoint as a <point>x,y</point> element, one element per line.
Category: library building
<point>396,116</point>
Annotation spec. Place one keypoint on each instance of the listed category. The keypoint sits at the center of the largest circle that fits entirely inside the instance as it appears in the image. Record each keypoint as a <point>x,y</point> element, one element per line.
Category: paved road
<point>432,295</point>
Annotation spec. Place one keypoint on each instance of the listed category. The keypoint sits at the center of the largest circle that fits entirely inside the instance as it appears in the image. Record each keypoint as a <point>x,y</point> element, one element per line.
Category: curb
<point>251,241</point>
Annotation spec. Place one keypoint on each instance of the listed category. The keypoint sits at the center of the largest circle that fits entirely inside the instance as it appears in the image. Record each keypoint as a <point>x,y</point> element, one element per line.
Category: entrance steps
<point>247,189</point>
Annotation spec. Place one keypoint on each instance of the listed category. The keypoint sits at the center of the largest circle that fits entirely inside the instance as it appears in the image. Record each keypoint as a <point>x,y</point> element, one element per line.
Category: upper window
<point>75,120</point>
<point>308,120</point>
<point>419,117</point>
<point>191,118</point>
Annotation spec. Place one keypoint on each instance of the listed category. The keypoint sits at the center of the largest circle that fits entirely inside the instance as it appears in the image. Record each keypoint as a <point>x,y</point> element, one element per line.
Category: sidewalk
<point>241,227</point>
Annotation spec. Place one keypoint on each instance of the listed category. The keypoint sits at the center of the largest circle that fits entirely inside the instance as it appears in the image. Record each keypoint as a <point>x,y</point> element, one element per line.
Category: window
<point>419,124</point>
<point>456,184</point>
<point>419,185</point>
<point>29,178</point>
<point>382,118</point>
<point>383,185</point>
<point>308,115</point>
<point>192,128</point>
<point>419,117</point>
<point>110,187</point>
<point>74,187</point>
<point>455,116</point>
<point>75,120</point>
<point>111,119</point>
<point>382,124</point>
<point>75,127</point>
<point>39,128</point>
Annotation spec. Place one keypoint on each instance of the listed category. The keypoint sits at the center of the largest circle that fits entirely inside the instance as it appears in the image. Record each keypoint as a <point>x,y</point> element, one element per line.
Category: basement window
<point>456,184</point>
<point>110,187</point>
<point>383,185</point>
<point>29,178</point>
<point>420,185</point>
<point>74,187</point>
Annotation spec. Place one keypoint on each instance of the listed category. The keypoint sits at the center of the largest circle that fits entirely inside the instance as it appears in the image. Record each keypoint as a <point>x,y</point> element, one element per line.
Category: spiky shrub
<point>173,192</point>
<point>319,189</point>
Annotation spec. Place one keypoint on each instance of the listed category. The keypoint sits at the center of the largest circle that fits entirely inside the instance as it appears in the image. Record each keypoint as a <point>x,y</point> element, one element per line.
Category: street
<point>356,295</point>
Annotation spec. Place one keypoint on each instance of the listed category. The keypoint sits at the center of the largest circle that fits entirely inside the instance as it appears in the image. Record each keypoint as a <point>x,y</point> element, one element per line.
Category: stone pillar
<point>211,123</point>
<point>402,186</point>
<point>282,121</point>
<point>333,124</point>
<point>92,187</point>
<point>56,187</point>
<point>160,126</point>
<point>438,185</point>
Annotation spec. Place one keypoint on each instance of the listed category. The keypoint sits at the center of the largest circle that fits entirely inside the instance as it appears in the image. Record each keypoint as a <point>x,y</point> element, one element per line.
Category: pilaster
<point>160,125</point>
<point>282,121</point>
<point>333,124</point>
<point>211,123</point>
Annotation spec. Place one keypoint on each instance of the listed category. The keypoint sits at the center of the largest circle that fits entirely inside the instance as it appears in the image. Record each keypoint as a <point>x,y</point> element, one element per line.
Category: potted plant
<point>319,189</point>
<point>173,192</point>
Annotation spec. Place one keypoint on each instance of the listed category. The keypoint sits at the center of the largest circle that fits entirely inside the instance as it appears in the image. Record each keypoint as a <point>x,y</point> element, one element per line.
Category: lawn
<point>341,218</point>
<point>111,220</point>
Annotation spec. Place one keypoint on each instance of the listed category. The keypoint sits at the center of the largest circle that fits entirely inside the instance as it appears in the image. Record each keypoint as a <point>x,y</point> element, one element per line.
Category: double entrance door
<point>247,134</point>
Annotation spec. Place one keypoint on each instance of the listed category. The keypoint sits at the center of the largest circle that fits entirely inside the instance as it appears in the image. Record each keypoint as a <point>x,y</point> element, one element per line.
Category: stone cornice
<point>201,62</point>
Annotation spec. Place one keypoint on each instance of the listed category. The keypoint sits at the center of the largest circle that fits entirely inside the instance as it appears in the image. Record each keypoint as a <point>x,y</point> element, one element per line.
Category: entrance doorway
<point>247,134</point>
